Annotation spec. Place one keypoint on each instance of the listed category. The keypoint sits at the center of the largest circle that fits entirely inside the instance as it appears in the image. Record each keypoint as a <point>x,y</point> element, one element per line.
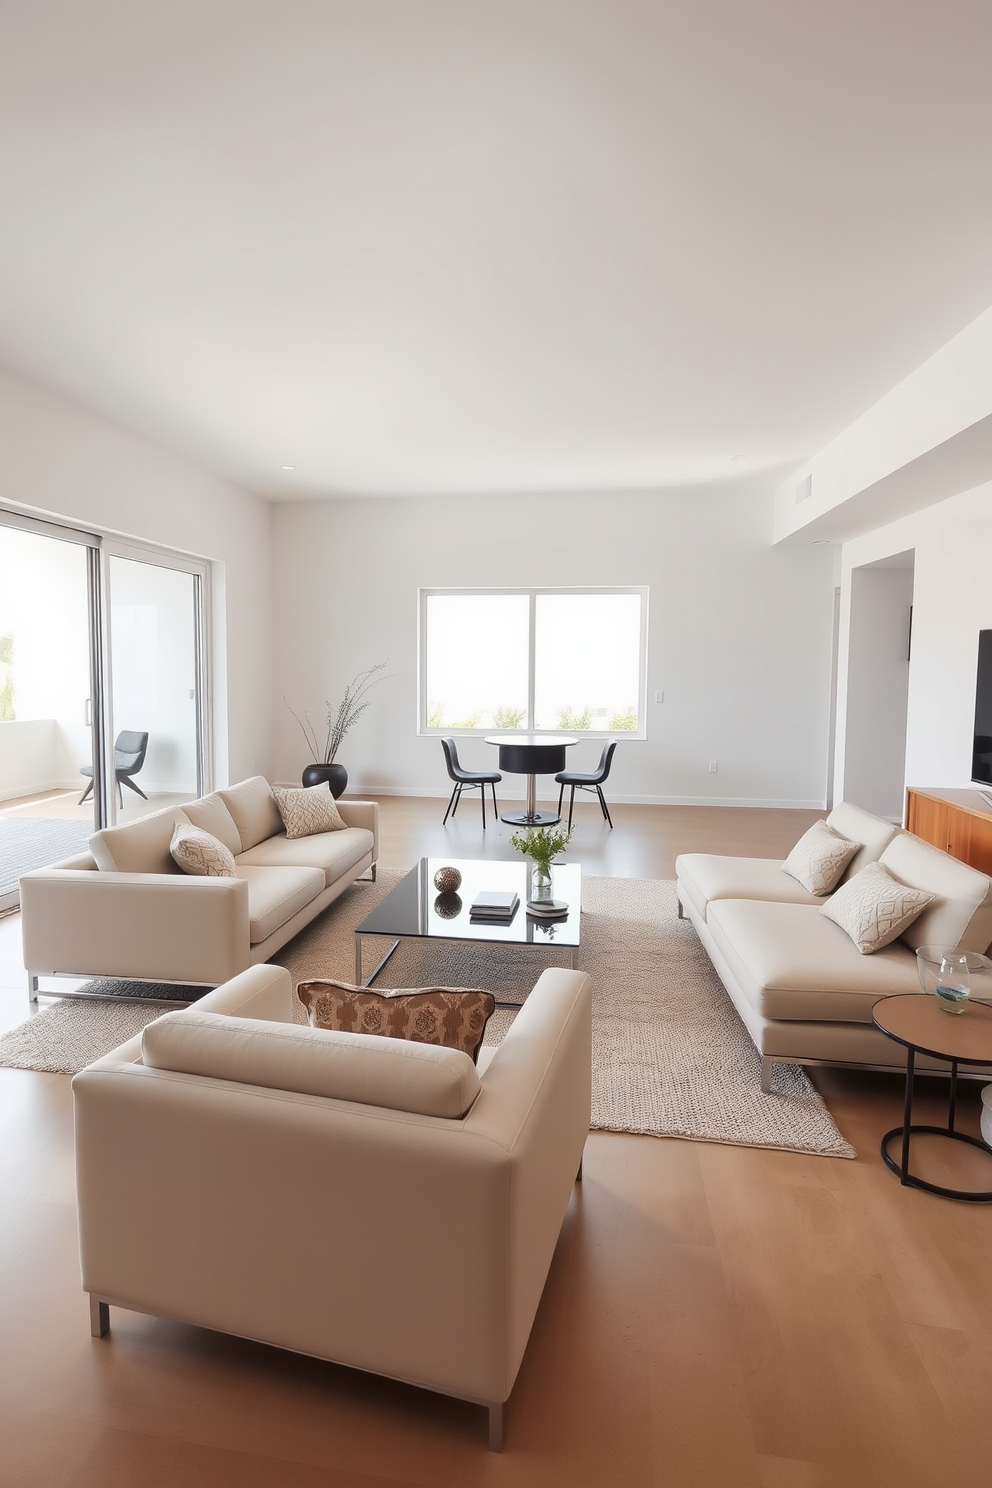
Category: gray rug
<point>670,1055</point>
<point>28,842</point>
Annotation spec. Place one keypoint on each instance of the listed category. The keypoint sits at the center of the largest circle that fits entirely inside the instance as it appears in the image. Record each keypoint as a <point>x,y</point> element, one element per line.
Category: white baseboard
<point>358,788</point>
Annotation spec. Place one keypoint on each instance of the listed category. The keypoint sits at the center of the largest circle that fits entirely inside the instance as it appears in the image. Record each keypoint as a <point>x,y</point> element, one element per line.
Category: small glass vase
<point>541,886</point>
<point>952,976</point>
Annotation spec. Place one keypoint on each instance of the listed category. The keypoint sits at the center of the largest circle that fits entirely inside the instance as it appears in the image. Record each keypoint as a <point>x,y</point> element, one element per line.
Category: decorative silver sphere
<point>447,880</point>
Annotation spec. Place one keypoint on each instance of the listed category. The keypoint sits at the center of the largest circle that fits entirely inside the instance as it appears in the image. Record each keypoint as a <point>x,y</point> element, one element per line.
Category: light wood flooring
<point>713,1316</point>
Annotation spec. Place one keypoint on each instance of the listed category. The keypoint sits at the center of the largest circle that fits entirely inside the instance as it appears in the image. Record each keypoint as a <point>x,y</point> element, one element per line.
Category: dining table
<point>532,755</point>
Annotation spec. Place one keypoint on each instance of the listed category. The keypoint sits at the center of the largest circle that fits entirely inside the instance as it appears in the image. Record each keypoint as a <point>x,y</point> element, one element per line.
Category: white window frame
<point>533,593</point>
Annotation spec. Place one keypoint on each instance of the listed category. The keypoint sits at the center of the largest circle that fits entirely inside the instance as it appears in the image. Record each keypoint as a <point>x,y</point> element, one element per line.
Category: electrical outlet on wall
<point>712,767</point>
<point>659,696</point>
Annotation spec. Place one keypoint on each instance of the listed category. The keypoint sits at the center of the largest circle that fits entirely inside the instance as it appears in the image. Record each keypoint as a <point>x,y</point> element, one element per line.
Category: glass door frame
<point>100,548</point>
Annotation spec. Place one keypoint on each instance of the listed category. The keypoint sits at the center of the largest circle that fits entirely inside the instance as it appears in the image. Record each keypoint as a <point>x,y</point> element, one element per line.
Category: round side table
<point>915,1020</point>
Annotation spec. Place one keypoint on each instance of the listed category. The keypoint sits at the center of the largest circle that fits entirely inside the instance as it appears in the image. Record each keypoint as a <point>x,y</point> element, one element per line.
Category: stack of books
<point>494,908</point>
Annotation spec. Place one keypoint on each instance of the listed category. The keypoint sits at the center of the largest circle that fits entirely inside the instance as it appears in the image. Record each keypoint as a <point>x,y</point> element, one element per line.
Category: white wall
<point>878,689</point>
<point>740,632</point>
<point>952,603</point>
<point>56,459</point>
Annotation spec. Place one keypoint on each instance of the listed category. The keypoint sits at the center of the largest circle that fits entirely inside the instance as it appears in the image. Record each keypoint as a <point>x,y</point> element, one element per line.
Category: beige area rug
<point>670,1055</point>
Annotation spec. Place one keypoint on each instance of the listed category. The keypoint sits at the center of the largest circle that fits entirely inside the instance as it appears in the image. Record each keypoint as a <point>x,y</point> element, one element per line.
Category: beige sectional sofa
<point>124,909</point>
<point>269,1183</point>
<point>803,989</point>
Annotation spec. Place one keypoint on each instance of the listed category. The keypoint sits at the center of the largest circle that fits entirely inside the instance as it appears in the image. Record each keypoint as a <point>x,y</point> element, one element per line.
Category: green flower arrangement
<point>541,845</point>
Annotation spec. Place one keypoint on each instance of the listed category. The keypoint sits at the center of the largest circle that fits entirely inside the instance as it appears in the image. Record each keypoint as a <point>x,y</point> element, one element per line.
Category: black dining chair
<point>129,756</point>
<point>467,780</point>
<point>591,781</point>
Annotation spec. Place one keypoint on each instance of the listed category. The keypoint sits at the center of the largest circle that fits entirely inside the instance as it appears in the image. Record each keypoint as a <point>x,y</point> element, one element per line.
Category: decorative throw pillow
<point>454,1017</point>
<point>874,908</point>
<point>308,809</point>
<point>819,858</point>
<point>200,854</point>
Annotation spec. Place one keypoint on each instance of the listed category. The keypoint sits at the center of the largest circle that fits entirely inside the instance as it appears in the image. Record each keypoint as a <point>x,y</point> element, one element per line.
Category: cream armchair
<point>248,1209</point>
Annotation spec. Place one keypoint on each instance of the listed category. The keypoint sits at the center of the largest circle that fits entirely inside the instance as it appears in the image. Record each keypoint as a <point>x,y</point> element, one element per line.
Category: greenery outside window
<point>534,660</point>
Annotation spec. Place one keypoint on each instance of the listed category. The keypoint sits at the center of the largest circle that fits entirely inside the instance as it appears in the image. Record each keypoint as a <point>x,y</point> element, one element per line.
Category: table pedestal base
<point>539,819</point>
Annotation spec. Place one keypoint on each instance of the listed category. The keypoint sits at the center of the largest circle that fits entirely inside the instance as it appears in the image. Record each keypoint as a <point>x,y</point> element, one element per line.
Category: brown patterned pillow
<point>454,1017</point>
<point>308,809</point>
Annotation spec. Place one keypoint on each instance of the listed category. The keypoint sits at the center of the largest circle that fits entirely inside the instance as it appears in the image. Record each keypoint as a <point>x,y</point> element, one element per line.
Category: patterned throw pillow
<point>454,1017</point>
<point>874,908</point>
<point>200,854</point>
<point>819,858</point>
<point>308,809</point>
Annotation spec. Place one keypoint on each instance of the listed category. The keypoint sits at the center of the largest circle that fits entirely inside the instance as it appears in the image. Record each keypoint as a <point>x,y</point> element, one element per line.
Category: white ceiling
<point>418,246</point>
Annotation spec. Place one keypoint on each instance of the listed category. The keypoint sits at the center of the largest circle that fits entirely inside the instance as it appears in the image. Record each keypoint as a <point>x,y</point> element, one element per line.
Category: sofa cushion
<point>210,813</point>
<point>139,846</point>
<point>819,858</point>
<point>332,852</point>
<point>200,854</point>
<point>420,1078</point>
<point>307,809</point>
<point>708,876</point>
<point>874,908</point>
<point>793,963</point>
<point>275,895</point>
<point>455,1017</point>
<point>961,915</point>
<point>873,832</point>
<point>255,813</point>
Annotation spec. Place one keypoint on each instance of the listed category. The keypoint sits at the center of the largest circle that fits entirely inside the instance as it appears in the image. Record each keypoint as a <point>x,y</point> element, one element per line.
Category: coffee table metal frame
<point>907,1130</point>
<point>518,929</point>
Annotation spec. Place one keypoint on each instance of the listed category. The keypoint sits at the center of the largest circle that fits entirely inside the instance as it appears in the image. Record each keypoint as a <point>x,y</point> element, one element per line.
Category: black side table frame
<point>907,1129</point>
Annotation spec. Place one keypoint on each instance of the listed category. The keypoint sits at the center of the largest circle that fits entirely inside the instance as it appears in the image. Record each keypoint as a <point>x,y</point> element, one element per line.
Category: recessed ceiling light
<point>819,542</point>
<point>289,467</point>
<point>734,458</point>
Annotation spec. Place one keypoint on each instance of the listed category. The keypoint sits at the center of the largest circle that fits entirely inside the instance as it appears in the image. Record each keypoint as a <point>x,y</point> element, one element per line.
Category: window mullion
<point>532,662</point>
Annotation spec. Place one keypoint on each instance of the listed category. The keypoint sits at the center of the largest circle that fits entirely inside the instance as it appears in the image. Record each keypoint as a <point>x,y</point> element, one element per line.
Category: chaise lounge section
<point>801,986</point>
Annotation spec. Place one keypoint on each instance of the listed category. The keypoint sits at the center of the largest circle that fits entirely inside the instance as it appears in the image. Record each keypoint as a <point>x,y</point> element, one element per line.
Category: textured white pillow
<point>874,908</point>
<point>200,854</point>
<point>308,809</point>
<point>819,858</point>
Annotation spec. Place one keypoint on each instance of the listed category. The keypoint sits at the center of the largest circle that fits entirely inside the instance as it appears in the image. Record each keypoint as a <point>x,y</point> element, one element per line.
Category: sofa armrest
<point>362,814</point>
<point>155,926</point>
<point>264,992</point>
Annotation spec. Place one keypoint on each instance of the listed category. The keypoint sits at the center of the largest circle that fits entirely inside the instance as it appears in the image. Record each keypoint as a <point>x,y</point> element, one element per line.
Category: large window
<point>541,660</point>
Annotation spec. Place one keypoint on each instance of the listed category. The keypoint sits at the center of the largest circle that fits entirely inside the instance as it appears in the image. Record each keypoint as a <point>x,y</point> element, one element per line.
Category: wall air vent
<point>804,490</point>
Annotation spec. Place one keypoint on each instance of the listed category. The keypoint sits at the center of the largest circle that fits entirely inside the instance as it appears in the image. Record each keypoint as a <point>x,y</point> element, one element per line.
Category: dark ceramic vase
<point>335,775</point>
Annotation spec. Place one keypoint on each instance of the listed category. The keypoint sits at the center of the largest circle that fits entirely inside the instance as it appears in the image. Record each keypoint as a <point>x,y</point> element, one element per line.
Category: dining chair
<point>130,748</point>
<point>592,780</point>
<point>467,780</point>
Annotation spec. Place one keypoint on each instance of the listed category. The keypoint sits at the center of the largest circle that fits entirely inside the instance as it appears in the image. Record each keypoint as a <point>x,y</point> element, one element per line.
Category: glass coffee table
<point>414,910</point>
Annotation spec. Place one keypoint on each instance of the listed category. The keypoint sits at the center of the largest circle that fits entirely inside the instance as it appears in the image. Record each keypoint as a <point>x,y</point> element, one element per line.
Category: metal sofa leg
<point>99,1317</point>
<point>766,1075</point>
<point>376,865</point>
<point>496,1426</point>
<point>678,901</point>
<point>33,986</point>
<point>578,1176</point>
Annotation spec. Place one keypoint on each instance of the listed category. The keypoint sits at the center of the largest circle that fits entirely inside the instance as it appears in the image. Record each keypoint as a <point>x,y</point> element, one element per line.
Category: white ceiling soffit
<point>463,247</point>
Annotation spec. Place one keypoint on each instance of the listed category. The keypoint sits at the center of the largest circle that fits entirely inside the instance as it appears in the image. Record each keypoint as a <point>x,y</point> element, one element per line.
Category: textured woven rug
<point>670,1055</point>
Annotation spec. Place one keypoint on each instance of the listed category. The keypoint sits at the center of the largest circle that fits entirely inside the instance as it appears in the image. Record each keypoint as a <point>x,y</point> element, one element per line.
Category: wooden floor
<point>713,1315</point>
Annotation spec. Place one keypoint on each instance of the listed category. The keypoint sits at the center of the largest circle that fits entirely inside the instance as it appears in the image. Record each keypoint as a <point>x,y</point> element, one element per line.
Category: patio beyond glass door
<point>154,626</point>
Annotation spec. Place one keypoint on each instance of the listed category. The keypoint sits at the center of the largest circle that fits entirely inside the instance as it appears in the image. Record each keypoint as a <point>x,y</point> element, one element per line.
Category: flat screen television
<point>981,754</point>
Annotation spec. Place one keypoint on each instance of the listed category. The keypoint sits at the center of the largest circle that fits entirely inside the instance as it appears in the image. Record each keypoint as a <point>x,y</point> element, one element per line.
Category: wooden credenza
<point>958,821</point>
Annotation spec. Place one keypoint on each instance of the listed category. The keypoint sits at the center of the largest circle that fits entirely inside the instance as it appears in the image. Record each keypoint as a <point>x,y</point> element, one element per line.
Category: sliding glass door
<point>103,688</point>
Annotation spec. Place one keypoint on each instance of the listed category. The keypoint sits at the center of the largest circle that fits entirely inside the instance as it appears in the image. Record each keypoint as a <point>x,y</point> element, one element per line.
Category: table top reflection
<point>415,908</point>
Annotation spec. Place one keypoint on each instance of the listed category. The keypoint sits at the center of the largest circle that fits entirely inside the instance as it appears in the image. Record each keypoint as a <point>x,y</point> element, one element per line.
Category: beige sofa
<point>215,1188</point>
<point>124,909</point>
<point>801,986</point>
